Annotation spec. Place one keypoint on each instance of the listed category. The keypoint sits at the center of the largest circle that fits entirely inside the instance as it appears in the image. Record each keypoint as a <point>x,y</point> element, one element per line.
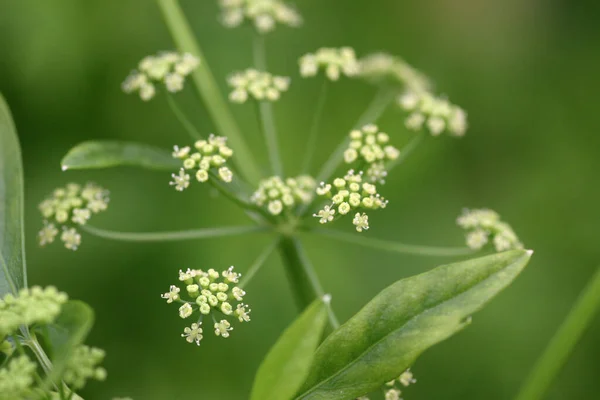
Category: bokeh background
<point>525,70</point>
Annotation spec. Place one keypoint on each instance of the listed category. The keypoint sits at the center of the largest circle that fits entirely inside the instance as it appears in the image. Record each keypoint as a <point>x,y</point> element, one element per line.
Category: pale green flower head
<point>484,226</point>
<point>67,208</point>
<point>349,194</point>
<point>280,195</point>
<point>335,62</point>
<point>383,68</point>
<point>261,86</point>
<point>168,68</point>
<point>208,294</point>
<point>264,15</point>
<point>83,365</point>
<point>17,378</point>
<point>435,114</point>
<point>203,160</point>
<point>370,148</point>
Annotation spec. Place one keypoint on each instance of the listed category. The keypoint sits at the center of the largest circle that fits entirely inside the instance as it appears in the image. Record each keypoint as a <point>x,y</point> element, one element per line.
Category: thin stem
<point>393,246</point>
<point>180,115</point>
<point>562,344</point>
<point>257,265</point>
<point>265,110</point>
<point>174,235</point>
<point>407,150</point>
<point>314,129</point>
<point>208,89</point>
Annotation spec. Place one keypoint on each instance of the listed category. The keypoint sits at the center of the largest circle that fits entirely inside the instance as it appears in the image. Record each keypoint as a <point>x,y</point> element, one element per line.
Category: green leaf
<point>405,319</point>
<point>68,331</point>
<point>13,271</point>
<point>286,366</point>
<point>111,153</point>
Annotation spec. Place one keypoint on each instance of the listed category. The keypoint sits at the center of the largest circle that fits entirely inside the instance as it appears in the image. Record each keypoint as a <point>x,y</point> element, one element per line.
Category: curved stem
<point>265,110</point>
<point>563,342</point>
<point>314,129</point>
<point>393,246</point>
<point>208,89</point>
<point>257,264</point>
<point>174,235</point>
<point>180,115</point>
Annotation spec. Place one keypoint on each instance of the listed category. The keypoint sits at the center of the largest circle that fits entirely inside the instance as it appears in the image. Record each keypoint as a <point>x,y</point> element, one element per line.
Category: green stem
<point>407,150</point>
<point>172,236</point>
<point>396,247</point>
<point>562,344</point>
<point>314,129</point>
<point>257,264</point>
<point>265,110</point>
<point>208,88</point>
<point>302,276</point>
<point>185,122</point>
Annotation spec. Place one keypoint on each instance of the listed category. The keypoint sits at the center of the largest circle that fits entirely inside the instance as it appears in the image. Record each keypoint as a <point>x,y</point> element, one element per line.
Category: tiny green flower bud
<point>189,163</point>
<point>226,308</point>
<point>185,310</point>
<point>222,296</point>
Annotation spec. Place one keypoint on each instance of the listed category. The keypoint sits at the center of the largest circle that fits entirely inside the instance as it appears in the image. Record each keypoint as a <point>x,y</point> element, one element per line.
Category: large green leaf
<point>402,321</point>
<point>12,255</point>
<point>287,364</point>
<point>111,153</point>
<point>68,331</point>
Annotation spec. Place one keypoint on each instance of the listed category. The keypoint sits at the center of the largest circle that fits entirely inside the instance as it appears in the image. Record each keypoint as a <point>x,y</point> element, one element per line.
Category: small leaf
<point>12,254</point>
<point>111,153</point>
<point>287,364</point>
<point>68,331</point>
<point>405,319</point>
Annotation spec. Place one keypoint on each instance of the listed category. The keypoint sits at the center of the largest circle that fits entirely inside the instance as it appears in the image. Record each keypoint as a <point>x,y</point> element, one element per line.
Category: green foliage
<point>405,319</point>
<point>12,255</point>
<point>68,332</point>
<point>108,153</point>
<point>287,364</point>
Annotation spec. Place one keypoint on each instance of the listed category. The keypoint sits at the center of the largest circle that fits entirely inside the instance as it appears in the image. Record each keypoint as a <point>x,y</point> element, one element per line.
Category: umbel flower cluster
<point>350,194</point>
<point>334,62</point>
<point>169,68</point>
<point>38,307</point>
<point>262,86</point>
<point>263,14</point>
<point>69,207</point>
<point>209,293</point>
<point>484,226</point>
<point>280,195</point>
<point>382,68</point>
<point>370,148</point>
<point>208,158</point>
<point>437,114</point>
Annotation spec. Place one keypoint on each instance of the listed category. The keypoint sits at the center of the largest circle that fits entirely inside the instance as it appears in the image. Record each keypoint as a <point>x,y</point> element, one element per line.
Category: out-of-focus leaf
<point>405,319</point>
<point>109,153</point>
<point>287,364</point>
<point>13,272</point>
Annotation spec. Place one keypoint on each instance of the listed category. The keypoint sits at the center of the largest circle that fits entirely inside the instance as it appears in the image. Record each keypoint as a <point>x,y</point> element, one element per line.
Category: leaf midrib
<point>391,333</point>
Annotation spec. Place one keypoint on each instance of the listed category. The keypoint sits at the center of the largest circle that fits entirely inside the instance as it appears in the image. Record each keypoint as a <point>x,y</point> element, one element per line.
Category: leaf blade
<point>96,154</point>
<point>411,315</point>
<point>287,364</point>
<point>13,271</point>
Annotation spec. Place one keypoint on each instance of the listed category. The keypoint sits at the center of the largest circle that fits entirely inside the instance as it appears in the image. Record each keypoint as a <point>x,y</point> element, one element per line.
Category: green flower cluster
<point>17,378</point>
<point>334,61</point>
<point>436,113</point>
<point>280,195</point>
<point>370,147</point>
<point>257,84</point>
<point>83,365</point>
<point>32,306</point>
<point>70,206</point>
<point>209,293</point>
<point>263,14</point>
<point>383,67</point>
<point>168,67</point>
<point>208,159</point>
<point>483,225</point>
<point>351,194</point>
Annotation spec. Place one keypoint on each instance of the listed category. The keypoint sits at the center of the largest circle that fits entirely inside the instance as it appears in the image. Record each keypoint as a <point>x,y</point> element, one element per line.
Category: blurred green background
<point>525,70</point>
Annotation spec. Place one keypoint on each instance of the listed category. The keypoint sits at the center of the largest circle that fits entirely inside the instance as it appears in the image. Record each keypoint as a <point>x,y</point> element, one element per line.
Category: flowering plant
<point>317,357</point>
